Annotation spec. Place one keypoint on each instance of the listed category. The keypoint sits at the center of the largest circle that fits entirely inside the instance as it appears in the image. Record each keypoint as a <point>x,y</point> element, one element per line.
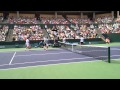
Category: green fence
<point>114,37</point>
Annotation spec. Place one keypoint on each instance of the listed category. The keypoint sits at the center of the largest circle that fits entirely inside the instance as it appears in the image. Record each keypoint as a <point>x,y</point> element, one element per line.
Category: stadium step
<point>9,36</point>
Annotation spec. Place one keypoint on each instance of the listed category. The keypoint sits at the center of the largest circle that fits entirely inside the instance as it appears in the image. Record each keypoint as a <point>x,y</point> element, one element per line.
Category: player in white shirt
<point>27,43</point>
<point>81,40</point>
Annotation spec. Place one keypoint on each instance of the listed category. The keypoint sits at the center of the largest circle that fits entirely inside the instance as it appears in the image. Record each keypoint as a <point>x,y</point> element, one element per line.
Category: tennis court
<point>33,58</point>
<point>27,58</point>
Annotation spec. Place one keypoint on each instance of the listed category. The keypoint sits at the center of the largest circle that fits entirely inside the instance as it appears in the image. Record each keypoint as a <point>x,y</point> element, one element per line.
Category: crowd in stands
<point>70,32</point>
<point>109,28</point>
<point>118,19</point>
<point>22,32</point>
<point>3,32</point>
<point>87,31</point>
<point>103,19</point>
<point>59,20</point>
<point>62,31</point>
<point>82,27</point>
<point>22,20</point>
<point>79,20</point>
<point>46,20</point>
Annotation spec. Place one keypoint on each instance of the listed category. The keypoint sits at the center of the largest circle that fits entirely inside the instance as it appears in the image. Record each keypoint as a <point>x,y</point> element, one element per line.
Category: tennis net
<point>97,52</point>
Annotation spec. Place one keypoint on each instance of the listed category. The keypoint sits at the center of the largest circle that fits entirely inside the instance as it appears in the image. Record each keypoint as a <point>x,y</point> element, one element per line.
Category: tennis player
<point>28,43</point>
<point>81,40</point>
<point>64,39</point>
<point>107,40</point>
<point>46,43</point>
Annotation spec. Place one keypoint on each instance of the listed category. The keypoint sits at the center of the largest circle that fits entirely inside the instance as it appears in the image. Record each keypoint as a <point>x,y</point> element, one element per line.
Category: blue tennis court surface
<point>42,57</point>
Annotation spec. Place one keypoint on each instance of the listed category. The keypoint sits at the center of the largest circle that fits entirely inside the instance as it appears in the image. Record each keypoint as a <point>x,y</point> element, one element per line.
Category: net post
<point>108,54</point>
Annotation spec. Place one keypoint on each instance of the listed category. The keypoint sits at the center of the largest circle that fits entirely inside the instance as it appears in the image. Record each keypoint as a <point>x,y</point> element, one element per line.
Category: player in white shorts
<point>27,43</point>
<point>81,40</point>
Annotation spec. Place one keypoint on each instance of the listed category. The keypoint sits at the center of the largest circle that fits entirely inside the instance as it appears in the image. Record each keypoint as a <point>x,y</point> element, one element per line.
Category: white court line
<point>114,55</point>
<point>4,64</point>
<point>59,60</point>
<point>12,58</point>
<point>30,50</point>
<point>51,60</point>
<point>46,61</point>
<point>54,60</point>
<point>50,64</point>
<point>43,54</point>
<point>54,64</point>
<point>57,53</point>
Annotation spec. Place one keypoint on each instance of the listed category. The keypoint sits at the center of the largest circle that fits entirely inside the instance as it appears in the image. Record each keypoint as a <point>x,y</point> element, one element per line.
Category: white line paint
<point>4,64</point>
<point>53,64</point>
<point>44,54</point>
<point>50,64</point>
<point>58,53</point>
<point>29,50</point>
<point>114,55</point>
<point>12,58</point>
<point>89,51</point>
<point>54,60</point>
<point>59,60</point>
<point>46,61</point>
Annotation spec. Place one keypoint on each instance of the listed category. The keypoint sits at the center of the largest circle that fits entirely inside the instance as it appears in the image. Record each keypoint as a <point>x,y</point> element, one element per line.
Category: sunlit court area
<point>57,45</point>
